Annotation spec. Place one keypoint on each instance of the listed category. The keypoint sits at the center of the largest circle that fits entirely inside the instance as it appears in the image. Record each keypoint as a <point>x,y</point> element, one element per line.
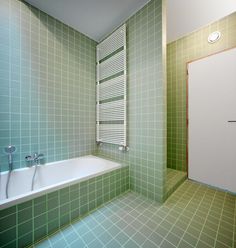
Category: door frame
<point>187,99</point>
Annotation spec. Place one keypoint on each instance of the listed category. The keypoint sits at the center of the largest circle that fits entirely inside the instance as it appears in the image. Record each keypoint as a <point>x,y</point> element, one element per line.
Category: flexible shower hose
<point>8,180</point>
<point>32,183</point>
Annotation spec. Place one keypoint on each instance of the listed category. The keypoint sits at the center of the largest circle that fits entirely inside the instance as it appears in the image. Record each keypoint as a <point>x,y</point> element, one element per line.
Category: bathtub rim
<point>61,161</point>
<point>6,203</point>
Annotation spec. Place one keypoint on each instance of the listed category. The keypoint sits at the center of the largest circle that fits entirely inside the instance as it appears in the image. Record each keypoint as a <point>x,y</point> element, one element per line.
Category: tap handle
<point>28,158</point>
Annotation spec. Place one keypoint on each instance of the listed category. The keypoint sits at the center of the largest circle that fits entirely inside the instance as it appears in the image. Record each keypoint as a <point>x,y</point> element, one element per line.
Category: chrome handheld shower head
<point>9,150</point>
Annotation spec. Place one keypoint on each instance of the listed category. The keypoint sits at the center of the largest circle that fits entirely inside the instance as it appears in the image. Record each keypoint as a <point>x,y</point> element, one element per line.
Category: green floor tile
<point>95,244</point>
<point>78,243</point>
<point>190,239</point>
<point>113,244</point>
<point>59,244</point>
<point>105,238</point>
<point>173,239</point>
<point>156,238</point>
<point>122,238</point>
<point>149,244</point>
<point>167,244</point>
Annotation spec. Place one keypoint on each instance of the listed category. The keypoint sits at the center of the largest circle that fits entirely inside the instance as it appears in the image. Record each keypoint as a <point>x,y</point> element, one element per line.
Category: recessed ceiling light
<point>213,37</point>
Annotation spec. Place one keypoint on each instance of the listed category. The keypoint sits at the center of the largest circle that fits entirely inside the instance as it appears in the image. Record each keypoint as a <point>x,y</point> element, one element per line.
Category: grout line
<point>221,214</point>
<point>234,228</point>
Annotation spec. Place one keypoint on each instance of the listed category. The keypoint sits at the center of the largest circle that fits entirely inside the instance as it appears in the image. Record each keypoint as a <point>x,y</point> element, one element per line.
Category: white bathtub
<point>51,177</point>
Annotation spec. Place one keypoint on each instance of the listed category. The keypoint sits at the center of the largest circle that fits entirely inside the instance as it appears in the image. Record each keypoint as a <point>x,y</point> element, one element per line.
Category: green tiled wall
<point>47,86</point>
<point>47,101</point>
<point>146,102</point>
<point>179,52</point>
<point>25,223</point>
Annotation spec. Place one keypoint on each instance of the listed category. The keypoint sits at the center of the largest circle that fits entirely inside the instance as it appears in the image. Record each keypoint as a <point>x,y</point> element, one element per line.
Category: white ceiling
<point>97,18</point>
<point>94,18</point>
<point>185,16</point>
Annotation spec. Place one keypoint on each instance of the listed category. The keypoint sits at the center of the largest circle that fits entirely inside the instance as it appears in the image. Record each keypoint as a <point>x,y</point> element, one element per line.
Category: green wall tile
<point>7,237</point>
<point>4,213</point>
<point>25,228</point>
<point>24,215</point>
<point>25,240</point>
<point>7,222</point>
<point>47,80</point>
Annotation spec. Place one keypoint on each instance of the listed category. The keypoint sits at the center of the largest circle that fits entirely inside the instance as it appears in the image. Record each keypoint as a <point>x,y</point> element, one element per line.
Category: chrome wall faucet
<point>35,158</point>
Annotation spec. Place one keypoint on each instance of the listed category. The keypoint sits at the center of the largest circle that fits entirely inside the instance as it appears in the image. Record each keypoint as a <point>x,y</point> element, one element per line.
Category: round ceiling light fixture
<point>213,37</point>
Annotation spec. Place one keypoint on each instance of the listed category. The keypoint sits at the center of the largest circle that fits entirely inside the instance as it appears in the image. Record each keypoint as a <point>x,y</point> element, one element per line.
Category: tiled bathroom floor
<point>193,216</point>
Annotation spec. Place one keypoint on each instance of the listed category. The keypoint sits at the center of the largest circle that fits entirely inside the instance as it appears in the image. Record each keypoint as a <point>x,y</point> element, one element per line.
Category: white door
<point>212,120</point>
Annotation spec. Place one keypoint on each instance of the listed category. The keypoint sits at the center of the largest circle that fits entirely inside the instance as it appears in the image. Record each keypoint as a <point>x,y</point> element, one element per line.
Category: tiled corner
<point>174,179</point>
<point>146,103</point>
